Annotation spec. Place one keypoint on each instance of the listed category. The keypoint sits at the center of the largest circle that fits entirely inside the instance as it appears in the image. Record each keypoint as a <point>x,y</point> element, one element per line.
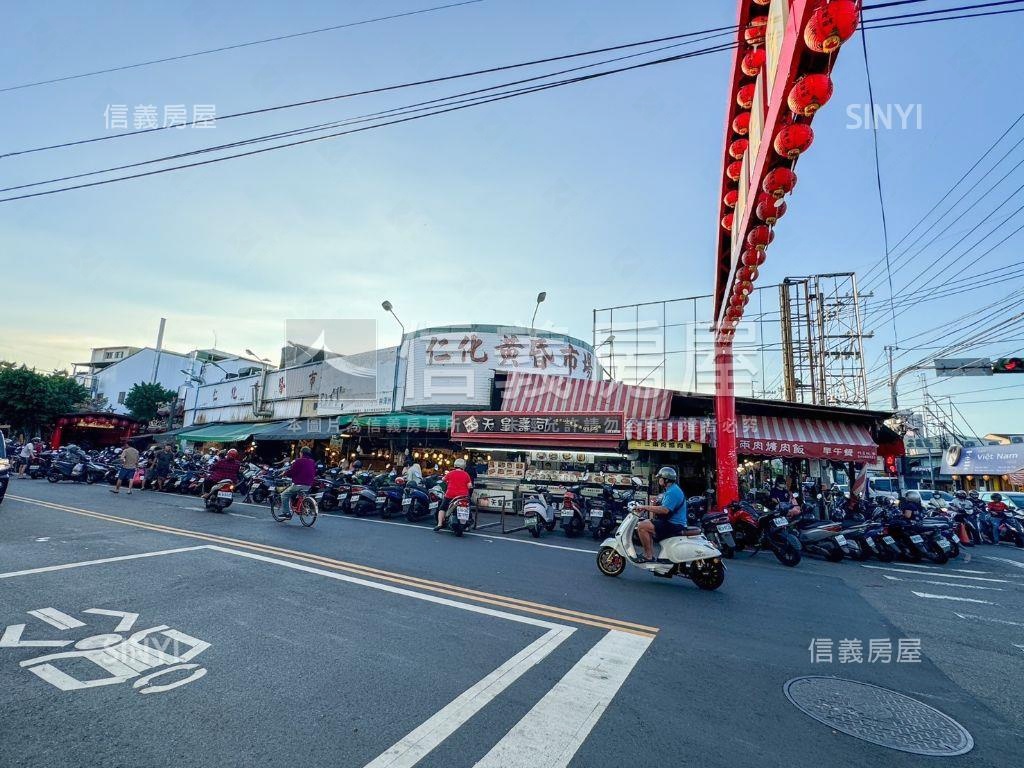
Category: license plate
<point>463,514</point>
<point>841,541</point>
<point>596,515</point>
<point>889,540</point>
<point>406,502</point>
<point>33,467</point>
<point>724,528</point>
<point>917,539</point>
<point>943,544</point>
<point>779,522</point>
<point>531,520</point>
<point>223,494</point>
<point>566,513</point>
<point>433,505</point>
<point>381,499</point>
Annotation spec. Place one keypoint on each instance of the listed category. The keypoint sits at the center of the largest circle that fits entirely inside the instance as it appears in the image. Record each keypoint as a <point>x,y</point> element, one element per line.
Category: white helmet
<point>460,463</point>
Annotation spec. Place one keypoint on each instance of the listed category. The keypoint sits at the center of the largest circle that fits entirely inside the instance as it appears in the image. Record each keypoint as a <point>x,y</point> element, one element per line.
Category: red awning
<point>804,438</point>
<point>536,393</point>
<point>678,430</point>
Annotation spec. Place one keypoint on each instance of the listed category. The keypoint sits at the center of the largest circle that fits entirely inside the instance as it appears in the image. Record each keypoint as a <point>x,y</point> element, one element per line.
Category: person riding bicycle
<point>223,469</point>
<point>668,516</point>
<point>458,483</point>
<point>997,509</point>
<point>303,474</point>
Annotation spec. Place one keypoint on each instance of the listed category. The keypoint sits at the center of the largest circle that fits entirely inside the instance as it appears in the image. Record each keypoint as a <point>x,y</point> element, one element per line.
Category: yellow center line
<point>525,606</point>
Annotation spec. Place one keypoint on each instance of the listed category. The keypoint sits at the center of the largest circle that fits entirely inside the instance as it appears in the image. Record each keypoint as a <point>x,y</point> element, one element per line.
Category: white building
<point>113,371</point>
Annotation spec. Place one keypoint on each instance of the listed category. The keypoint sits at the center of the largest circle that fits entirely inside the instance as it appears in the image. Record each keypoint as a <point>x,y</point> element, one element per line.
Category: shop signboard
<point>468,424</point>
<point>679,446</point>
<point>360,383</point>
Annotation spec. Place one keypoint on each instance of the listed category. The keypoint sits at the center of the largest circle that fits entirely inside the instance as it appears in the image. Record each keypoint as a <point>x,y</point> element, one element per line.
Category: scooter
<point>816,538</point>
<point>394,496</point>
<point>538,513</point>
<point>755,527</point>
<point>459,516</point>
<point>690,555</point>
<point>418,502</point>
<point>573,515</point>
<point>220,496</point>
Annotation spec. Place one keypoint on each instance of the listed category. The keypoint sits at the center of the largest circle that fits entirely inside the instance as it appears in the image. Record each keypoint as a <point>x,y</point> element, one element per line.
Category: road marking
<point>416,745</point>
<point>986,618</point>
<point>56,618</point>
<point>1016,563</point>
<point>49,568</point>
<point>526,606</point>
<point>941,568</point>
<point>945,575</point>
<point>1018,645</point>
<point>950,597</point>
<point>943,583</point>
<point>242,514</point>
<point>550,734</point>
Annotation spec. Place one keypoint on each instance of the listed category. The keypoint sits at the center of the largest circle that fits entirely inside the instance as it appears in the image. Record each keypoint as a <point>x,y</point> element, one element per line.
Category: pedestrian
<point>126,472</point>
<point>28,452</point>
<point>163,462</point>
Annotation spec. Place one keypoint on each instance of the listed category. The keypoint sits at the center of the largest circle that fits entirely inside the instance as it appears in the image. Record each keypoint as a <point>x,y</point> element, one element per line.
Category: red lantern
<point>738,299</point>
<point>731,197</point>
<point>779,181</point>
<point>733,313</point>
<point>793,139</point>
<point>769,210</point>
<point>752,257</point>
<point>759,238</point>
<point>762,2</point>
<point>727,222</point>
<point>741,123</point>
<point>745,96</point>
<point>744,287</point>
<point>809,94</point>
<point>734,169</point>
<point>831,25</point>
<point>753,62</point>
<point>747,273</point>
<point>754,33</point>
<point>737,148</point>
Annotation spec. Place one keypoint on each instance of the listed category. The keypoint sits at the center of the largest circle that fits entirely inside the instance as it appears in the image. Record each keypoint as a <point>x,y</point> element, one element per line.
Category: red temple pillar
<point>56,437</point>
<point>725,424</point>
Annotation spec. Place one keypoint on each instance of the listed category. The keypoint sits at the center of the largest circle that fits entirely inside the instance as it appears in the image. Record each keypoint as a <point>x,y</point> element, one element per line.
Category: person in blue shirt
<point>668,516</point>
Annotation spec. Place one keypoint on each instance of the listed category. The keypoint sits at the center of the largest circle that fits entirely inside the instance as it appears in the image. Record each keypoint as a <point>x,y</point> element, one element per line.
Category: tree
<point>30,401</point>
<point>143,400</point>
<point>64,394</point>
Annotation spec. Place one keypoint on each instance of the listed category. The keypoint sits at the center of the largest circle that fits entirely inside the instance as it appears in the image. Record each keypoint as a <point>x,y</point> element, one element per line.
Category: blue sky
<point>602,193</point>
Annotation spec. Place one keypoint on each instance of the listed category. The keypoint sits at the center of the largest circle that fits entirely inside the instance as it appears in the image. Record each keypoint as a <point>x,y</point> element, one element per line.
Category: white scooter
<point>538,512</point>
<point>690,555</point>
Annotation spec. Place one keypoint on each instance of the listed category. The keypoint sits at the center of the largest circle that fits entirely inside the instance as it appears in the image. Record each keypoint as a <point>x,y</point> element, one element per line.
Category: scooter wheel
<point>788,555</point>
<point>610,562</point>
<point>863,552</point>
<point>53,477</point>
<point>835,555</point>
<point>551,526</point>
<point>535,531</point>
<point>936,555</point>
<point>727,552</point>
<point>710,576</point>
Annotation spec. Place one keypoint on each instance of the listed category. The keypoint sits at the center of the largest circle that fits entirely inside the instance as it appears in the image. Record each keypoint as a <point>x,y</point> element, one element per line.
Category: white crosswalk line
<point>942,568</point>
<point>1016,563</point>
<point>550,734</point>
<point>945,575</point>
<point>975,617</point>
<point>929,596</point>
<point>943,583</point>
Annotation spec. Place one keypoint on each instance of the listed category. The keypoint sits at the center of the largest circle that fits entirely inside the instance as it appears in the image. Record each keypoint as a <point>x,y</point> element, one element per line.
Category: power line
<point>235,46</point>
<point>974,7</point>
<point>381,89</point>
<point>915,22</point>
<point>536,89</point>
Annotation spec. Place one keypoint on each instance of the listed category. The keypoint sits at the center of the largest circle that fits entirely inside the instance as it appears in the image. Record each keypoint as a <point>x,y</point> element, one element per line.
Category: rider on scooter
<point>668,517</point>
<point>996,509</point>
<point>910,504</point>
<point>223,469</point>
<point>458,483</point>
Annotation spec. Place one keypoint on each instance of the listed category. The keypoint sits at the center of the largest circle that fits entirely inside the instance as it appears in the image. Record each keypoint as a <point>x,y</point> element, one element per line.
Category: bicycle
<point>303,505</point>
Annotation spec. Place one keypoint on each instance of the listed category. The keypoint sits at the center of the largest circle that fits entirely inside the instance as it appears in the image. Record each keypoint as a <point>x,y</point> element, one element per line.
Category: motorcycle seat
<point>692,530</point>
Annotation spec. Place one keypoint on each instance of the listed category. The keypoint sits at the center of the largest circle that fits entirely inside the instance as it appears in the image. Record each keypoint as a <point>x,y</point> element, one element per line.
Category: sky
<point>602,193</point>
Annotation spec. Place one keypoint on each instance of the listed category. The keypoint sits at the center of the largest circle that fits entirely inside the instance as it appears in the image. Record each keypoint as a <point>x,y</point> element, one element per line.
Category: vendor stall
<point>93,430</point>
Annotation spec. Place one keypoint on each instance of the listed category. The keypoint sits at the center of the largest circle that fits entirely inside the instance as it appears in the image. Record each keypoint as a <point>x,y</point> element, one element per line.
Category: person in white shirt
<point>28,452</point>
<point>414,474</point>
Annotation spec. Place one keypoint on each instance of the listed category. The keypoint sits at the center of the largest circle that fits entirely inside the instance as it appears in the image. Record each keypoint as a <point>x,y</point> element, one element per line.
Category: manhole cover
<point>879,715</point>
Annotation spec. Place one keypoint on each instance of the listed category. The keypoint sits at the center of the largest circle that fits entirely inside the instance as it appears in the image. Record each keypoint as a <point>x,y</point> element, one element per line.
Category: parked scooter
<point>689,555</point>
<point>418,502</point>
<point>758,528</point>
<point>574,515</point>
<point>715,524</point>
<point>538,512</point>
<point>459,516</point>
<point>607,511</point>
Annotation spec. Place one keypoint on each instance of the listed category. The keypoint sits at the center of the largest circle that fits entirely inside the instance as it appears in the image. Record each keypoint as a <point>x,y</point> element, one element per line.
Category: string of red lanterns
<point>831,23</point>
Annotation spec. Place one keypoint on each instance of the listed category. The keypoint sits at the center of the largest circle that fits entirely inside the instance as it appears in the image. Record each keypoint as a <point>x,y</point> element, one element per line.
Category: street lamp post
<point>540,299</point>
<point>388,307</point>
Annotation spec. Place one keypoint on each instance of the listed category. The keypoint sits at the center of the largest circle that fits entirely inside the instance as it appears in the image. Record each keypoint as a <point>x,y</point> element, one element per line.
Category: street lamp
<point>388,307</point>
<point>540,299</point>
<point>261,359</point>
<point>610,341</point>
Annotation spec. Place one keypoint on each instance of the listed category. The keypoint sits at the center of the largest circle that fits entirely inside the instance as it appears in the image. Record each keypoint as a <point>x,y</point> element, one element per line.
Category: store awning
<point>228,433</point>
<point>305,429</point>
<point>675,430</point>
<point>393,423</point>
<point>536,393</point>
<point>804,439</point>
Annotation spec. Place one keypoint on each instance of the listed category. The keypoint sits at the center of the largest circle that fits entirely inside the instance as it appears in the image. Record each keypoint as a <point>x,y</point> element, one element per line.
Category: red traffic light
<point>1008,365</point>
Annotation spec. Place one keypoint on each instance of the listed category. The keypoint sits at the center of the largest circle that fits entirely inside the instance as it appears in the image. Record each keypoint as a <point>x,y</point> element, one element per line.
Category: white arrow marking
<point>986,618</point>
<point>942,583</point>
<point>127,619</point>
<point>12,639</point>
<point>945,575</point>
<point>930,596</point>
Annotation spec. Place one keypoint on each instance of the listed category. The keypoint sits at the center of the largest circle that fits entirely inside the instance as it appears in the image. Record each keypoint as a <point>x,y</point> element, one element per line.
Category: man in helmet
<point>668,516</point>
<point>961,503</point>
<point>910,504</point>
<point>223,469</point>
<point>458,483</point>
<point>997,509</point>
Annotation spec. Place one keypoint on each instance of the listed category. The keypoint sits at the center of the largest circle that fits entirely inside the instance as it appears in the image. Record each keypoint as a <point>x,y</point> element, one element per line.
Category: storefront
<point>93,430</point>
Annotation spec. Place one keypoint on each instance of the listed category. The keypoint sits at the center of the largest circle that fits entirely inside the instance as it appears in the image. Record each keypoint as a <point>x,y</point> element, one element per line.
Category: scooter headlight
<point>5,464</point>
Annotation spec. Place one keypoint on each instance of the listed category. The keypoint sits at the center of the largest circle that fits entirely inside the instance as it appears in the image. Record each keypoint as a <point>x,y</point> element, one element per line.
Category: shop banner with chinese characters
<point>804,439</point>
<point>605,430</point>
<point>665,445</point>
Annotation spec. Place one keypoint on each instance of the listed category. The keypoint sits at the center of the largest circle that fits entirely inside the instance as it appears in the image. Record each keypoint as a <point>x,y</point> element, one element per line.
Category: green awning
<point>227,433</point>
<point>403,422</point>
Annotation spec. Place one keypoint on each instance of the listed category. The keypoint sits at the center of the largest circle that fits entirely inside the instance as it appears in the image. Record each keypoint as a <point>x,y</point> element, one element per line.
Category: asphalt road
<point>229,639</point>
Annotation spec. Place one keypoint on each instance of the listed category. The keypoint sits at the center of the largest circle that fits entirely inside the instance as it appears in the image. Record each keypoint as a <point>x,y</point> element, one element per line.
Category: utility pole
<point>892,382</point>
<point>159,347</point>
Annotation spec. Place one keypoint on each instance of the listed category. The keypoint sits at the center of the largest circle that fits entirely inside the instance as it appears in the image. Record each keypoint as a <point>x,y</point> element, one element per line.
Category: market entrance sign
<point>471,423</point>
<point>680,446</point>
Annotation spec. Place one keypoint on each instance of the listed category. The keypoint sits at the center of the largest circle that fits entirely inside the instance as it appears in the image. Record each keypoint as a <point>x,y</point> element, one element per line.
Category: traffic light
<point>891,466</point>
<point>1008,365</point>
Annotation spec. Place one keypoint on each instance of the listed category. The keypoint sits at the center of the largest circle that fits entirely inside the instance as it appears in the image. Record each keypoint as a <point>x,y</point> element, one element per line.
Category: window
<point>118,355</point>
<point>107,355</point>
<point>120,398</point>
